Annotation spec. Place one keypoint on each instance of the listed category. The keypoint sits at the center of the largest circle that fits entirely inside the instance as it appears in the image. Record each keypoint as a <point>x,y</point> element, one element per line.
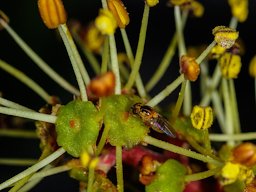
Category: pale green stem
<point>163,65</point>
<point>28,114</point>
<point>91,177</point>
<point>204,77</point>
<point>76,55</point>
<point>140,48</point>
<point>70,46</point>
<point>104,4</point>
<point>255,90</point>
<point>123,71</point>
<point>33,168</point>
<point>179,29</point>
<point>166,92</point>
<point>114,63</point>
<point>187,107</point>
<point>119,169</point>
<point>103,140</point>
<point>233,23</point>
<point>105,56</point>
<point>166,59</point>
<point>234,137</point>
<point>229,129</point>
<point>199,148</point>
<point>26,80</point>
<point>29,185</point>
<point>113,57</point>
<point>180,150</point>
<point>39,61</point>
<point>138,81</point>
<point>11,104</point>
<point>185,94</point>
<point>218,109</point>
<point>212,86</point>
<point>49,172</point>
<point>178,105</point>
<point>202,175</point>
<point>88,54</point>
<point>18,133</point>
<point>235,113</point>
<point>17,162</point>
<point>204,54</point>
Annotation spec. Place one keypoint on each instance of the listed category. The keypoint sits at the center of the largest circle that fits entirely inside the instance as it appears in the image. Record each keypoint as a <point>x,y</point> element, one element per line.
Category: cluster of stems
<point>226,113</point>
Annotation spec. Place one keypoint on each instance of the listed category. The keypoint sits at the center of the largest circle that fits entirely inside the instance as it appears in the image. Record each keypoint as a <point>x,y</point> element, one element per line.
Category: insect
<point>153,119</point>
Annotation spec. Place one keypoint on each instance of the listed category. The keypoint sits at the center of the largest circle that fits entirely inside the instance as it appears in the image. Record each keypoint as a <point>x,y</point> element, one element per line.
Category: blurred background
<point>25,20</point>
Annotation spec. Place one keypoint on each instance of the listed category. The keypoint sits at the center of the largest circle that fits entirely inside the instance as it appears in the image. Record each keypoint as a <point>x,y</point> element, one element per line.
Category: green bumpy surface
<point>77,126</point>
<point>169,178</point>
<point>125,129</point>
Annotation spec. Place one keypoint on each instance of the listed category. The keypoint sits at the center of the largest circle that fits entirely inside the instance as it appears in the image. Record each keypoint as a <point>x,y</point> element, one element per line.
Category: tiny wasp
<point>152,119</point>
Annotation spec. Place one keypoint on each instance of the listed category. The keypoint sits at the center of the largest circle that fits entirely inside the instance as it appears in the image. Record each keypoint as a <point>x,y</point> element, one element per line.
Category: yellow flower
<point>85,159</point>
<point>239,9</point>
<point>252,67</point>
<point>217,51</point>
<point>180,2</point>
<point>152,3</point>
<point>93,39</point>
<point>225,36</point>
<point>195,7</point>
<point>232,172</point>
<point>201,117</point>
<point>106,22</point>
<point>230,65</point>
<point>52,13</point>
<point>119,11</point>
<point>94,162</point>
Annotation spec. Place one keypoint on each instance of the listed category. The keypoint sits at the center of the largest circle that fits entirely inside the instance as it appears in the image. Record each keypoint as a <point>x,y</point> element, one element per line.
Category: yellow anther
<point>119,11</point>
<point>94,162</point>
<point>217,51</point>
<point>230,171</point>
<point>252,67</point>
<point>85,158</point>
<point>201,117</point>
<point>239,9</point>
<point>180,2</point>
<point>52,13</point>
<point>225,36</point>
<point>230,65</point>
<point>93,39</point>
<point>195,7</point>
<point>152,3</point>
<point>106,22</point>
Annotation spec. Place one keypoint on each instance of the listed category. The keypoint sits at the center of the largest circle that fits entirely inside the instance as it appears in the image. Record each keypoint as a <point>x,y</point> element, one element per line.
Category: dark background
<point>25,20</point>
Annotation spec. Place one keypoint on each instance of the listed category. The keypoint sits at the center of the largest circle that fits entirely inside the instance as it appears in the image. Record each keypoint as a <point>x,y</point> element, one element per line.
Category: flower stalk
<point>140,48</point>
<point>39,61</point>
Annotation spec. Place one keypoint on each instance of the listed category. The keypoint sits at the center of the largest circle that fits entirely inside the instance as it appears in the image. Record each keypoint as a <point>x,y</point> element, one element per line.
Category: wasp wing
<point>162,125</point>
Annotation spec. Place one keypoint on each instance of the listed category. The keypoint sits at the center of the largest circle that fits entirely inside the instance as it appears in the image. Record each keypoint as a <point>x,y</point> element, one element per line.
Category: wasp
<point>153,119</point>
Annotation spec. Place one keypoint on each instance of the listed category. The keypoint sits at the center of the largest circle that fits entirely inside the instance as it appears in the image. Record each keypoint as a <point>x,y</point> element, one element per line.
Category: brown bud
<point>245,154</point>
<point>189,67</point>
<point>148,169</point>
<point>52,13</point>
<point>103,85</point>
<point>3,17</point>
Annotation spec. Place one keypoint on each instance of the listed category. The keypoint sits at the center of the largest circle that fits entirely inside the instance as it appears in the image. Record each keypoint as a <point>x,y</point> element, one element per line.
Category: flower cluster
<point>114,123</point>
